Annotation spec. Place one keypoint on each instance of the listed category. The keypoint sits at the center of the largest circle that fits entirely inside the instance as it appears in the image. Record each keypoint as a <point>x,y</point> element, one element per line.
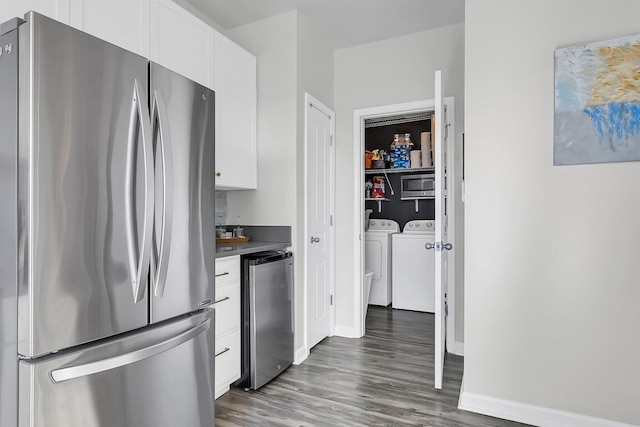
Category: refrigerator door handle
<point>139,256</point>
<point>77,371</point>
<point>163,153</point>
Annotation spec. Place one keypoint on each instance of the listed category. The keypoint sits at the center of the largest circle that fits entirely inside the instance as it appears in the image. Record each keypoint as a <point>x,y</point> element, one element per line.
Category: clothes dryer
<point>413,267</point>
<point>377,249</point>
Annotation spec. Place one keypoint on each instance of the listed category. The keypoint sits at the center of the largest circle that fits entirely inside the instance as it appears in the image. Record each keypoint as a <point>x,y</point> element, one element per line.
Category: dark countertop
<point>262,238</point>
<point>229,249</point>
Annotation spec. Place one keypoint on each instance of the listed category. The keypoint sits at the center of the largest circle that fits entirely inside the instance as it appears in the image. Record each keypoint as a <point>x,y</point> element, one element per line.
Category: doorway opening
<point>394,112</point>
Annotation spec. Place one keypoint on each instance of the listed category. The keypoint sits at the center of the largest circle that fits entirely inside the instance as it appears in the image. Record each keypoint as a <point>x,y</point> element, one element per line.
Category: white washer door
<point>413,273</point>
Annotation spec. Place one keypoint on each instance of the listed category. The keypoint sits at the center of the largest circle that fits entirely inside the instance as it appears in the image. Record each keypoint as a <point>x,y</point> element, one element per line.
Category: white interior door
<point>319,124</point>
<point>441,245</point>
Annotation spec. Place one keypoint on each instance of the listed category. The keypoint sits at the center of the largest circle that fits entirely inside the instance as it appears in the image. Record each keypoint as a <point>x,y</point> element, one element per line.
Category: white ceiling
<point>352,22</point>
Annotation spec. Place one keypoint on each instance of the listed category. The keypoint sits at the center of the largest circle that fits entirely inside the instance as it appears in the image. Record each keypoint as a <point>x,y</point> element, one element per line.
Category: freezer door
<point>271,320</point>
<point>161,377</point>
<point>183,252</point>
<point>8,231</point>
<point>84,184</point>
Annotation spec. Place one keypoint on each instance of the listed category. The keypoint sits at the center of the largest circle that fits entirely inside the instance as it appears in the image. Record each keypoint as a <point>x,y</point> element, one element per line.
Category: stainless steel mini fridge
<point>268,325</point>
<point>108,248</point>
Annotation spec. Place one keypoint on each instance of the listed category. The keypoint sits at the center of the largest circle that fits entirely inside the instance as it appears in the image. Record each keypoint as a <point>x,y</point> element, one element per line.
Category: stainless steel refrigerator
<point>107,245</point>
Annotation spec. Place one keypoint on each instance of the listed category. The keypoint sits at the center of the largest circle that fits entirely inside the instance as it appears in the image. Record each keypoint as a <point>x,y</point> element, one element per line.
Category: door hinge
<point>446,305</point>
<point>331,220</point>
<point>331,299</point>
<point>331,141</point>
<point>446,124</point>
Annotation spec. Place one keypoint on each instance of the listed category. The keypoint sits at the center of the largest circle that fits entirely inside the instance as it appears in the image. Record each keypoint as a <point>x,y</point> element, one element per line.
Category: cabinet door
<point>227,308</point>
<point>181,42</point>
<point>124,23</point>
<point>227,362</point>
<point>227,317</point>
<point>236,104</point>
<point>56,9</point>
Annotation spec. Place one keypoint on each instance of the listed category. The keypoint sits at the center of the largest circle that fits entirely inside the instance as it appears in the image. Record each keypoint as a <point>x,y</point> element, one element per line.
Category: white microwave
<point>421,186</point>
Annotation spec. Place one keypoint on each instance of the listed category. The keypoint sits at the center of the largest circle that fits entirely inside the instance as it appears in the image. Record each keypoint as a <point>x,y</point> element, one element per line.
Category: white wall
<point>315,63</point>
<point>552,274</point>
<point>293,58</point>
<point>315,76</point>
<point>274,43</point>
<point>392,71</point>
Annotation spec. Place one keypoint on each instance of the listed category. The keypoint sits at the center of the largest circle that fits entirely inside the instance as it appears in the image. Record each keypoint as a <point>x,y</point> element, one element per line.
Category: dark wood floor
<point>383,379</point>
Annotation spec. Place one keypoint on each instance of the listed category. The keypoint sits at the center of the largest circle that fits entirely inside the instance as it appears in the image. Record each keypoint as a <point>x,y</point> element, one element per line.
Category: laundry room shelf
<point>377,199</point>
<point>396,170</point>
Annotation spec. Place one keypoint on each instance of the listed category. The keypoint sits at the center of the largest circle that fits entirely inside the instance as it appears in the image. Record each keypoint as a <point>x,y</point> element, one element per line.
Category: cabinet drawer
<point>227,308</point>
<point>227,360</point>
<point>227,270</point>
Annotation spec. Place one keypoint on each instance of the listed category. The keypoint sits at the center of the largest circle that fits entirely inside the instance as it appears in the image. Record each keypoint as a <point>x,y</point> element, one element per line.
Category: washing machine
<point>377,258</point>
<point>413,267</point>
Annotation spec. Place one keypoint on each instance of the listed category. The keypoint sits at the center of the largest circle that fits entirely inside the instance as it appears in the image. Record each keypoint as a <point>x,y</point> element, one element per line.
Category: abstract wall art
<point>597,102</point>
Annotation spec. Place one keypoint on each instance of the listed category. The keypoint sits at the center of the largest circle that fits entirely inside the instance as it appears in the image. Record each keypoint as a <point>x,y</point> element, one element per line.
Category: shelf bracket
<point>388,182</point>
<point>377,200</point>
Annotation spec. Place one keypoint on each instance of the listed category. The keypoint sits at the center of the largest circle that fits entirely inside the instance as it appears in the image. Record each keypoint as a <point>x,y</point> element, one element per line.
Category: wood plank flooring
<point>383,379</point>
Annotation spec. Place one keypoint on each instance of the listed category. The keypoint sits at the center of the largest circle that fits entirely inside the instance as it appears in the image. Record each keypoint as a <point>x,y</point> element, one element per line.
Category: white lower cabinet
<point>227,362</point>
<point>227,323</point>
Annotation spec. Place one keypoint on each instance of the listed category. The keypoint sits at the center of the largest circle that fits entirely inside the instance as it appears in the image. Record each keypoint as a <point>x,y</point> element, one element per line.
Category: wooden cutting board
<point>232,239</point>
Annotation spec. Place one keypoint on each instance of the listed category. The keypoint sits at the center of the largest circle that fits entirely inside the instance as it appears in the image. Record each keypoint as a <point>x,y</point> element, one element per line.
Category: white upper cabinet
<point>236,109</point>
<point>124,23</point>
<point>181,42</point>
<point>174,38</point>
<point>56,9</point>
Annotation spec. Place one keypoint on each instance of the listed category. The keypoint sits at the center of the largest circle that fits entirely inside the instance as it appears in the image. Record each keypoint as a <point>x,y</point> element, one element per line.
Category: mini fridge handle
<point>72,372</point>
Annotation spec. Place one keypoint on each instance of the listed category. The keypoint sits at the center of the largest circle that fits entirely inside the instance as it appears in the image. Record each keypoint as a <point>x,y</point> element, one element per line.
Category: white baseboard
<point>458,348</point>
<point>345,331</point>
<point>300,355</point>
<point>529,414</point>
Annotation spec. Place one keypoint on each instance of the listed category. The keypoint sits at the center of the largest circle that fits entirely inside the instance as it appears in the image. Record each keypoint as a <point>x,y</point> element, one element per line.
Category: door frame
<point>311,102</point>
<point>359,117</point>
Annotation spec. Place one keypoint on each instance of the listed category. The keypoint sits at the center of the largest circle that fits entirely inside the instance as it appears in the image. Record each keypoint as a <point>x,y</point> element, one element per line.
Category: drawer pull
<point>223,351</point>
<point>222,299</point>
<point>226,273</point>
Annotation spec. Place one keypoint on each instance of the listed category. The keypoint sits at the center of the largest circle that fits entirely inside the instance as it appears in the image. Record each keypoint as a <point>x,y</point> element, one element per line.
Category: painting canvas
<point>597,102</point>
